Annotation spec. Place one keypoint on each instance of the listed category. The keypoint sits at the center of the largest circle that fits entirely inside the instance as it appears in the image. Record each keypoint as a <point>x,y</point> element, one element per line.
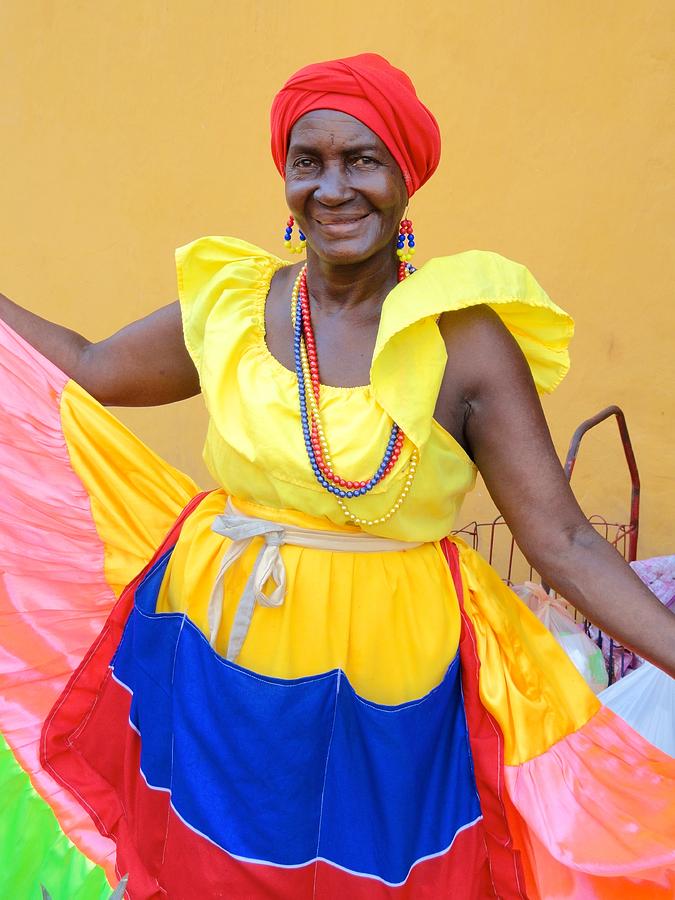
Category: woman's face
<point>343,187</point>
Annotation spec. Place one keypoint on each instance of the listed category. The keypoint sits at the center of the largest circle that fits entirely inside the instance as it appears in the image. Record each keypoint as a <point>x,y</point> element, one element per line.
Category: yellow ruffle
<point>212,271</point>
<point>410,356</point>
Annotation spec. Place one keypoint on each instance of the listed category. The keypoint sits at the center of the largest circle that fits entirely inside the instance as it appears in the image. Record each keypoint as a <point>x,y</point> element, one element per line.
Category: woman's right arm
<point>146,363</point>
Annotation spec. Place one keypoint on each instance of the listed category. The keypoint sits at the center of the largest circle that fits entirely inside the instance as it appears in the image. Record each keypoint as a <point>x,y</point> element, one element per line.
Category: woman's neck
<point>363,285</point>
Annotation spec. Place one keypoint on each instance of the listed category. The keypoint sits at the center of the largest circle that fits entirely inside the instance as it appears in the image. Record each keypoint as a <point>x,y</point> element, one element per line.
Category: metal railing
<point>495,542</point>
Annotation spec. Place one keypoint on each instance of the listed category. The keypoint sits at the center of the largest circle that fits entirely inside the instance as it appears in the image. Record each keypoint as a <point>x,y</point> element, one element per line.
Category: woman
<point>310,691</point>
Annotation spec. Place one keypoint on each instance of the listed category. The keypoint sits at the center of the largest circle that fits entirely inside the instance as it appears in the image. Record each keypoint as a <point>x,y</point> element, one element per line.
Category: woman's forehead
<point>328,126</point>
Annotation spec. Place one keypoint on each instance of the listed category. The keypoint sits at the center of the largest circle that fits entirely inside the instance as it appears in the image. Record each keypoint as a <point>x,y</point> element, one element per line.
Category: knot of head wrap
<point>374,92</point>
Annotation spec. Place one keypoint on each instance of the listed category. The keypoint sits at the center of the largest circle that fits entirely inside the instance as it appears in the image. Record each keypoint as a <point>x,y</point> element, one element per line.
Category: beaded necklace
<point>309,387</point>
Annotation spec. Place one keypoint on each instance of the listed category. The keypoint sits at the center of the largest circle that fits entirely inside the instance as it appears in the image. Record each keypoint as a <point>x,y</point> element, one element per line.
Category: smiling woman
<point>344,189</point>
<point>305,688</point>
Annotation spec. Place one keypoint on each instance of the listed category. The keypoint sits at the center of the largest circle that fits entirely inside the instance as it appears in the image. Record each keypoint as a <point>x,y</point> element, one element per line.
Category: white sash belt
<point>242,530</point>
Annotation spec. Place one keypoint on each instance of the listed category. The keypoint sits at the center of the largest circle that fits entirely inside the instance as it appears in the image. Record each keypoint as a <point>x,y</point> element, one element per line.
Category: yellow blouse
<point>254,446</point>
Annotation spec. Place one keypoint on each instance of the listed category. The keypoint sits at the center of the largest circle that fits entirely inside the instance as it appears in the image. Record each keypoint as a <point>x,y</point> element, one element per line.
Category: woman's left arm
<point>507,434</point>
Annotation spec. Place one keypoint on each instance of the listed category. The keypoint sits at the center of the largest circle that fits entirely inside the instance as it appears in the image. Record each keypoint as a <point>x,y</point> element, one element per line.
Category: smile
<point>341,224</point>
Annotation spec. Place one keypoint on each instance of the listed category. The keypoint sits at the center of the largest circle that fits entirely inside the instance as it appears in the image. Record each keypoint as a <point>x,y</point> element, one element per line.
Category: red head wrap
<point>374,92</point>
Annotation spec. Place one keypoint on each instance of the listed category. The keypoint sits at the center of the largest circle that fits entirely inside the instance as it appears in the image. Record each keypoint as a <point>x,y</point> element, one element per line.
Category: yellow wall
<point>130,127</point>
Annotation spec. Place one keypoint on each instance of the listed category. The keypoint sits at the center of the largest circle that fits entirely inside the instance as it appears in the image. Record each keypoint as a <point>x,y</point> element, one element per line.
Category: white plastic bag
<point>586,655</point>
<point>646,700</point>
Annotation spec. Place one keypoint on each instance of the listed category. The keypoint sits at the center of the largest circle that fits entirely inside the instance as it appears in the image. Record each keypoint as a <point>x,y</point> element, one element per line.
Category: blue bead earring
<point>289,235</point>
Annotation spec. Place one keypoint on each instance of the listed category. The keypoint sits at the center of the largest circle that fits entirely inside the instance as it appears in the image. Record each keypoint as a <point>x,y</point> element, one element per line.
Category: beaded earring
<point>289,234</point>
<point>406,231</point>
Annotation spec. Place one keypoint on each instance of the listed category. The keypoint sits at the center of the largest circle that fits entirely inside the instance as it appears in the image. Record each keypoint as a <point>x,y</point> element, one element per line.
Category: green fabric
<point>34,850</point>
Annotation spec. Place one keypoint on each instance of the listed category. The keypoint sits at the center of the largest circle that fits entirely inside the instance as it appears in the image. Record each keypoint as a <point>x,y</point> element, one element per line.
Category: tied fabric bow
<point>268,565</point>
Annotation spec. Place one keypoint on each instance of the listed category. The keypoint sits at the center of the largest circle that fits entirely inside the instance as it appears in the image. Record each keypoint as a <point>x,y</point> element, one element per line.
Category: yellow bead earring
<point>288,237</point>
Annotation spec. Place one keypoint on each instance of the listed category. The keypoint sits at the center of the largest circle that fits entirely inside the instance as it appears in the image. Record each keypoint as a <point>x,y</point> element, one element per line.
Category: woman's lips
<point>342,225</point>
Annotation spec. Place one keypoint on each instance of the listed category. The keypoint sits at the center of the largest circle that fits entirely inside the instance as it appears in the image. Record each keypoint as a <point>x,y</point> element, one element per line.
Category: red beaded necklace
<point>309,389</point>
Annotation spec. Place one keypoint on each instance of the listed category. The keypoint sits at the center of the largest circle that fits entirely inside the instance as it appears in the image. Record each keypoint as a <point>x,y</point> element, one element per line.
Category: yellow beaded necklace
<point>315,437</point>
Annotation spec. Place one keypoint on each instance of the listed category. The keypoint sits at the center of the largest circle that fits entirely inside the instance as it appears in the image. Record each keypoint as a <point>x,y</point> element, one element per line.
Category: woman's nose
<point>333,186</point>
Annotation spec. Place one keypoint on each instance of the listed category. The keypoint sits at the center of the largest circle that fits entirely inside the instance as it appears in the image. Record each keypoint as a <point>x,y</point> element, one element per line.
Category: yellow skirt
<point>388,620</point>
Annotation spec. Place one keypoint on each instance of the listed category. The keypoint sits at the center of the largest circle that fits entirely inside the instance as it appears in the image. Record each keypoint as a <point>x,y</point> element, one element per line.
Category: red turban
<point>374,92</point>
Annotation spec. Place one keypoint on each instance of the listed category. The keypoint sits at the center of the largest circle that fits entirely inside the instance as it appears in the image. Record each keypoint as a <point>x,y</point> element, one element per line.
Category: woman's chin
<point>344,252</point>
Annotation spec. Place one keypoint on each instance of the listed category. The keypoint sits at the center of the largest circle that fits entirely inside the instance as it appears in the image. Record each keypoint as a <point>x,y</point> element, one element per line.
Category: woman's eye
<point>365,162</point>
<point>304,162</point>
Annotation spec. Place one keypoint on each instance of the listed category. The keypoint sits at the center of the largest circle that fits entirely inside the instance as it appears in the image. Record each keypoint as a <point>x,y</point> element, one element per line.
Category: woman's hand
<point>506,433</point>
<point>144,364</point>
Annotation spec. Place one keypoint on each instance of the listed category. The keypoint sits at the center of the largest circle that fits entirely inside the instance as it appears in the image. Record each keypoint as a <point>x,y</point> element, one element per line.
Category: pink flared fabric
<point>54,598</point>
<point>583,799</point>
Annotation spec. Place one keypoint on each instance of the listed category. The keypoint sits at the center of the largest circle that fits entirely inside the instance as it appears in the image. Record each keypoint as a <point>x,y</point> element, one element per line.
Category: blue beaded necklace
<point>302,336</point>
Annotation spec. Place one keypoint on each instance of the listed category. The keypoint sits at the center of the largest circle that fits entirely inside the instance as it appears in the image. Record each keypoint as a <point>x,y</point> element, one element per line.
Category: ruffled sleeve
<point>410,355</point>
<point>210,270</point>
